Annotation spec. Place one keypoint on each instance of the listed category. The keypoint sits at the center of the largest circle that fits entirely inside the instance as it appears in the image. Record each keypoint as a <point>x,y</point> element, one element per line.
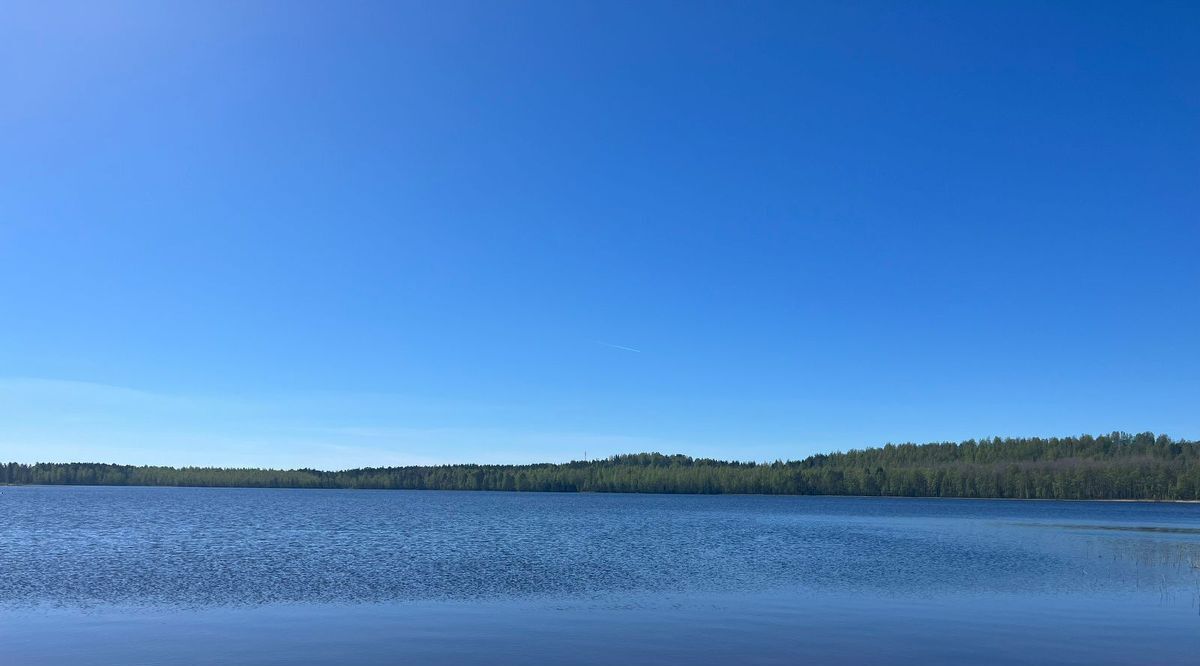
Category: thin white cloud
<point>67,421</point>
<point>623,347</point>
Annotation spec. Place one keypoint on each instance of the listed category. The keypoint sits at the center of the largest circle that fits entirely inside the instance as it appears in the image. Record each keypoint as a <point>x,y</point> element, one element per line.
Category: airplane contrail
<point>628,349</point>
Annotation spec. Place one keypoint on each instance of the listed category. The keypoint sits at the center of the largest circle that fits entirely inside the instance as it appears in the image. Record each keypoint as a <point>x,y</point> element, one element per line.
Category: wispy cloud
<point>622,347</point>
<point>63,421</point>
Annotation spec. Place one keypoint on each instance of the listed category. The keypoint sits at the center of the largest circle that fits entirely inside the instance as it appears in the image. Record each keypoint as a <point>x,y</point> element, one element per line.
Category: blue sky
<point>342,234</point>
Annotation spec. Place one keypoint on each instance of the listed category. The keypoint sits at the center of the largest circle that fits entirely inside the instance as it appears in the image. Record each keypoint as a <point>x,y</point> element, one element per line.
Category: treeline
<point>1116,466</point>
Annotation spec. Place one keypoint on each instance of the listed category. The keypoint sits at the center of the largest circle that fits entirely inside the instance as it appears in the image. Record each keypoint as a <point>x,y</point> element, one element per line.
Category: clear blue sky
<point>338,234</point>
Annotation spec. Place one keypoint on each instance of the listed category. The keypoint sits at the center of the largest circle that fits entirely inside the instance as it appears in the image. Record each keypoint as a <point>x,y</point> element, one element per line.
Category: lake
<point>92,575</point>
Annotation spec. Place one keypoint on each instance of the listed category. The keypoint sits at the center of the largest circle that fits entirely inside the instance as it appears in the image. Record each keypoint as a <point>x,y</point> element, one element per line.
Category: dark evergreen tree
<point>1115,466</point>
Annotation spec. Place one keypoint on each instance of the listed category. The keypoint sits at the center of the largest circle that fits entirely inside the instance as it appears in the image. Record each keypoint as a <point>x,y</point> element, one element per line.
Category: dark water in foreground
<point>165,575</point>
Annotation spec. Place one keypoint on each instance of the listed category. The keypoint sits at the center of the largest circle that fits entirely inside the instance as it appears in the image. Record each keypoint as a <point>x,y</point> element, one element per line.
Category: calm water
<point>164,575</point>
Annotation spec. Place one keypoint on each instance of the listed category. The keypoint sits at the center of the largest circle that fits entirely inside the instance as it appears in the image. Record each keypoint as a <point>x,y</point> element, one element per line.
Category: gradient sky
<point>339,234</point>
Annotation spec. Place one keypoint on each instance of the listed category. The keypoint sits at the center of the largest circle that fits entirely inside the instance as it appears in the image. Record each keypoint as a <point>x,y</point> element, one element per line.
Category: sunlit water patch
<point>130,559</point>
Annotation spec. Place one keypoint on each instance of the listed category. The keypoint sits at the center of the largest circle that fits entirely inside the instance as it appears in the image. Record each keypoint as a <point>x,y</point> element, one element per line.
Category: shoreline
<point>595,492</point>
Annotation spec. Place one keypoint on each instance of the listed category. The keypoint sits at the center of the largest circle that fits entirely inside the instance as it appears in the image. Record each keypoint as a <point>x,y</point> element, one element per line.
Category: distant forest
<point>1116,466</point>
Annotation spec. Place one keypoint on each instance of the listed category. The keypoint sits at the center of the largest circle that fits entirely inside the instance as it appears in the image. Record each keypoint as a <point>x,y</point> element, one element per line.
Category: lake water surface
<point>231,576</point>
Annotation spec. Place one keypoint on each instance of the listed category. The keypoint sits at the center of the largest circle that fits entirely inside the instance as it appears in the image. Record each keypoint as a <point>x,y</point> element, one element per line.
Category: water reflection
<point>124,575</point>
<point>210,547</point>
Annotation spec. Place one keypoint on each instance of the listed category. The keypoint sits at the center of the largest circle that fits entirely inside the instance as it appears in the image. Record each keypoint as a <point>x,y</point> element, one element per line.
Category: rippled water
<point>255,576</point>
